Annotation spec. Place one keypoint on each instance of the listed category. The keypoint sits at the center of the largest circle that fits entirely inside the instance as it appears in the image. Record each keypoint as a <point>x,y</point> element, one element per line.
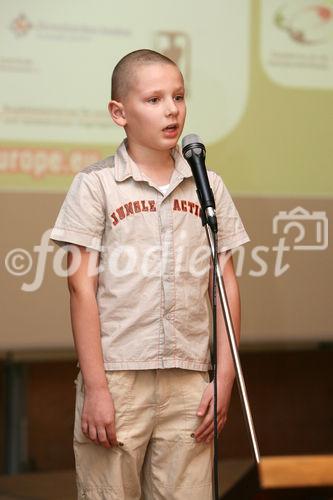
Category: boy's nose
<point>171,107</point>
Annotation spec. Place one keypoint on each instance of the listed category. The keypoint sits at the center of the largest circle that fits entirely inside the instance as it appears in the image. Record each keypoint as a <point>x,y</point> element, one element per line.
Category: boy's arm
<point>225,366</point>
<point>98,410</point>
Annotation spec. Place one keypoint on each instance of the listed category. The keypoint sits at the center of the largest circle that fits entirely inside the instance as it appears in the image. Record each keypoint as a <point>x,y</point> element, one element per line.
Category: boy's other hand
<point>98,417</point>
<point>205,431</point>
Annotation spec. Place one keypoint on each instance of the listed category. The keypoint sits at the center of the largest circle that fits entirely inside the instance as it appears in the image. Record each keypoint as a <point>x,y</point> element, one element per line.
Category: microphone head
<point>190,139</point>
<point>192,144</point>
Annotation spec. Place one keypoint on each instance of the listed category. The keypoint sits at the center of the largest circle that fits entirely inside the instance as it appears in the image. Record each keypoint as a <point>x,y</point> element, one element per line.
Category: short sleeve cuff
<point>64,236</point>
<point>234,242</point>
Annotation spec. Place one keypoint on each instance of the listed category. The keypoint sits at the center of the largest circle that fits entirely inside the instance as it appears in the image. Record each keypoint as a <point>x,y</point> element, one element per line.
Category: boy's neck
<point>157,165</point>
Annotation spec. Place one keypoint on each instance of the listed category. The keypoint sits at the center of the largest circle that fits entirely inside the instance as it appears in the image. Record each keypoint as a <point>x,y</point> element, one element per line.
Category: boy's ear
<point>117,112</point>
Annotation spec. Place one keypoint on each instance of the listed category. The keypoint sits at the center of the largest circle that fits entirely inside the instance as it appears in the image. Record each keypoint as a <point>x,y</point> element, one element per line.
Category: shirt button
<point>168,316</point>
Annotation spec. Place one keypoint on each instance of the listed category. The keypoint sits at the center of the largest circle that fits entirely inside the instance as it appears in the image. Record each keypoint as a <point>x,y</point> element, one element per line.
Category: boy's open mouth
<point>173,126</point>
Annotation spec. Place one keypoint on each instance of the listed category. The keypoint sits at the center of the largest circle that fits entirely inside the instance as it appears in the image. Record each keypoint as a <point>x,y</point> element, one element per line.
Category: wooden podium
<point>307,477</point>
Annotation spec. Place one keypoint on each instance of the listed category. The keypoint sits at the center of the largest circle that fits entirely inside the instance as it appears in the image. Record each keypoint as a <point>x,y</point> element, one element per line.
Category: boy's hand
<point>205,431</point>
<point>98,417</point>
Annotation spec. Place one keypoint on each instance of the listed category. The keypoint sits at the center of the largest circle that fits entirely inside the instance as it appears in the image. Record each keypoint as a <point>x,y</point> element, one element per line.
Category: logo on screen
<point>306,22</point>
<point>21,25</point>
<point>176,46</point>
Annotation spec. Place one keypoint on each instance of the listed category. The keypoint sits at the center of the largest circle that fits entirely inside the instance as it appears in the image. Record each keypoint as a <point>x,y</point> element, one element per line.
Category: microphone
<point>194,153</point>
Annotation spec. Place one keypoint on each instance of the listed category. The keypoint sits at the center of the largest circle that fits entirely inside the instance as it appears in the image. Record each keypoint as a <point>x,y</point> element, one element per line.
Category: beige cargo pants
<point>159,459</point>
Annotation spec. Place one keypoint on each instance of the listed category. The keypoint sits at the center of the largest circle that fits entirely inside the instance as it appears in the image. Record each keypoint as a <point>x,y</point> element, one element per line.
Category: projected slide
<point>297,42</point>
<point>56,60</point>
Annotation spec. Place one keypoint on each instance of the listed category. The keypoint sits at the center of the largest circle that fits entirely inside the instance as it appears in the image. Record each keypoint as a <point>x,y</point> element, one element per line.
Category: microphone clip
<point>208,215</point>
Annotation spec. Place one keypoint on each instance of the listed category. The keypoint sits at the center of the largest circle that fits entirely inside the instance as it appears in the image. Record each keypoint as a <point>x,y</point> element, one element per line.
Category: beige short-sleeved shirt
<point>152,295</point>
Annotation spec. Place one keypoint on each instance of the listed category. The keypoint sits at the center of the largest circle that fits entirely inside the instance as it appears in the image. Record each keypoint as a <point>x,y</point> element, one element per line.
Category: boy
<point>141,324</point>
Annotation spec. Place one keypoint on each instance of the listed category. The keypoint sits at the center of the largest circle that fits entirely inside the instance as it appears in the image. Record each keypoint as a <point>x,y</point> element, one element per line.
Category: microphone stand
<point>212,236</point>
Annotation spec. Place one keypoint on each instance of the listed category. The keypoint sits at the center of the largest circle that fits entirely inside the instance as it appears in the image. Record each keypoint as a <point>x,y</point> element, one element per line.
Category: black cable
<point>214,363</point>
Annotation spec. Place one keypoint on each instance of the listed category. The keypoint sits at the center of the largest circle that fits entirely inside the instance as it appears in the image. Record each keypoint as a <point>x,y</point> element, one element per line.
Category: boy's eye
<point>179,97</point>
<point>153,100</point>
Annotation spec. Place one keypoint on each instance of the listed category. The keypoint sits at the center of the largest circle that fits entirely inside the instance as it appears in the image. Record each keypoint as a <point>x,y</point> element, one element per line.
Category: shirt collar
<point>125,167</point>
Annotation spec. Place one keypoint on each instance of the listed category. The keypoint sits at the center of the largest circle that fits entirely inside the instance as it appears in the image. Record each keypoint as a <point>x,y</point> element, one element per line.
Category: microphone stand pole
<point>233,349</point>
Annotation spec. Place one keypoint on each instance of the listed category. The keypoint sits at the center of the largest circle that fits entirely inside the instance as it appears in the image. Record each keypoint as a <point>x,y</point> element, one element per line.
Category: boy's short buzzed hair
<point>124,70</point>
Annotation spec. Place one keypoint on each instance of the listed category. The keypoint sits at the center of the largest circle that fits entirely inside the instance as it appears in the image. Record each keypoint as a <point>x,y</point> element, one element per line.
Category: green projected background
<point>259,96</point>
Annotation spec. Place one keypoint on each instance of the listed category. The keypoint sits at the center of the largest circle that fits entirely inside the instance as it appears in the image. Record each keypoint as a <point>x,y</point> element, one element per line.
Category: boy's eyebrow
<point>157,91</point>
